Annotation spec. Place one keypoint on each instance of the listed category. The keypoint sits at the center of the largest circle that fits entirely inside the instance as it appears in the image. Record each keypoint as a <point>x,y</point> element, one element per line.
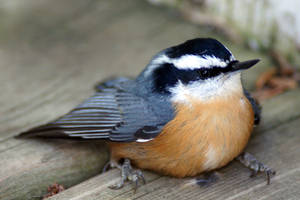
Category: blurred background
<point>53,52</point>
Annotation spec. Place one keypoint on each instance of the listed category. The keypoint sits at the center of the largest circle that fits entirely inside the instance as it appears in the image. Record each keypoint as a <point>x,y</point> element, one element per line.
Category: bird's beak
<point>244,65</point>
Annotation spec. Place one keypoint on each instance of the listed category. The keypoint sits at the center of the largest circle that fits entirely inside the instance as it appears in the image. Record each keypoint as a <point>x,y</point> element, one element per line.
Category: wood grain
<point>27,168</point>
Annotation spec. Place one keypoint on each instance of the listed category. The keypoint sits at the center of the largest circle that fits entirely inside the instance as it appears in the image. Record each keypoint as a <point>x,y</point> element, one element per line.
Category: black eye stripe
<point>167,75</point>
<point>211,72</point>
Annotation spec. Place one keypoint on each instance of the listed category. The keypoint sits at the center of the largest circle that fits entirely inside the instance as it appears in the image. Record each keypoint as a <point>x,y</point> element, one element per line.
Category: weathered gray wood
<point>27,168</point>
<point>51,56</point>
<point>280,109</point>
<point>277,147</point>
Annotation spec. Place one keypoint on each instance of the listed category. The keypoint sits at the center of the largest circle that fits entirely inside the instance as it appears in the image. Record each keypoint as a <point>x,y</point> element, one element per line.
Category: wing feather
<point>111,113</point>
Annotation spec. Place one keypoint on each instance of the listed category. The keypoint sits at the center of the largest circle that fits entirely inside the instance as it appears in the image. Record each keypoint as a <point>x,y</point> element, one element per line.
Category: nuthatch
<point>185,114</point>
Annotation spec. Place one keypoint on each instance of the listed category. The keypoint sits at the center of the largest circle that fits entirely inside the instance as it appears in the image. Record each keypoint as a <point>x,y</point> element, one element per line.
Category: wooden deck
<point>52,54</point>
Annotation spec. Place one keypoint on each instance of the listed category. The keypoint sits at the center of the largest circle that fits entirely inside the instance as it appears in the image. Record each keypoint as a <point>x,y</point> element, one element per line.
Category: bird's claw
<point>106,167</point>
<point>117,186</point>
<point>267,171</point>
<point>128,173</point>
<point>255,166</point>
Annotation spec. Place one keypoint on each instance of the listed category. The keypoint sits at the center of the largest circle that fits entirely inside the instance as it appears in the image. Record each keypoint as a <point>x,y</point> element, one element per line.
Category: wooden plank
<point>27,168</point>
<point>277,147</point>
<point>280,109</point>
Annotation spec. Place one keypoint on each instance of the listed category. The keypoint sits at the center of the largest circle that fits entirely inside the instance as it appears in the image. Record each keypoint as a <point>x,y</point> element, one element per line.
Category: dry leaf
<point>53,190</point>
<point>264,78</point>
<point>283,82</point>
<point>264,94</point>
<point>277,79</point>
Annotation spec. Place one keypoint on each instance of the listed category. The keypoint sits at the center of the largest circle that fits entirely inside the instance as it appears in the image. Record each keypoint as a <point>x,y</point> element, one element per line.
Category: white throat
<point>207,90</point>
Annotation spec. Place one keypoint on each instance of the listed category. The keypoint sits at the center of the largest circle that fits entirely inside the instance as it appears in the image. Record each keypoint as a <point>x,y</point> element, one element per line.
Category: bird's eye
<point>203,73</point>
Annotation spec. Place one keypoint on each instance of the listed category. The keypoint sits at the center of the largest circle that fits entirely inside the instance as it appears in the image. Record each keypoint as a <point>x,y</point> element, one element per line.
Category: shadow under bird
<point>187,113</point>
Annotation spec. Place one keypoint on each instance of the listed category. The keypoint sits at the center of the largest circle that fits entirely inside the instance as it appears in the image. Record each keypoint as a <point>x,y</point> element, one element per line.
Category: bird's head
<point>202,68</point>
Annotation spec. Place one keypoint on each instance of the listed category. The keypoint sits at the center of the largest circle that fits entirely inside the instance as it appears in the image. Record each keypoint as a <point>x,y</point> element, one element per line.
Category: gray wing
<point>112,113</point>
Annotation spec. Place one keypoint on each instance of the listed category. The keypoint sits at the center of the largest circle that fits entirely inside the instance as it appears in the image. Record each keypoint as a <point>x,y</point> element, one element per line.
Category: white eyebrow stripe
<point>187,62</point>
<point>196,62</point>
<point>192,61</point>
<point>161,59</point>
<point>155,63</point>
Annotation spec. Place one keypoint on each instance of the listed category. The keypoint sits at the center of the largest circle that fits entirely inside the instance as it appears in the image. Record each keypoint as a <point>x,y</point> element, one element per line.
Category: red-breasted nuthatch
<point>186,113</point>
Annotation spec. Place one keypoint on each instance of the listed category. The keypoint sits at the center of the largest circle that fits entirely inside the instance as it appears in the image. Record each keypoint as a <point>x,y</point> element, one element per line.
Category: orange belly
<point>201,137</point>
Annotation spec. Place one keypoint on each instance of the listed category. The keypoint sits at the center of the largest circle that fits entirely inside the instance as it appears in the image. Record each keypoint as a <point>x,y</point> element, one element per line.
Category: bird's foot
<point>109,165</point>
<point>255,166</point>
<point>207,179</point>
<point>128,173</point>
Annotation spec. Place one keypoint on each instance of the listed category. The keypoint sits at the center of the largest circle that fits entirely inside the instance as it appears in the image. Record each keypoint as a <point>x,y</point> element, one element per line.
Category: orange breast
<point>201,137</point>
